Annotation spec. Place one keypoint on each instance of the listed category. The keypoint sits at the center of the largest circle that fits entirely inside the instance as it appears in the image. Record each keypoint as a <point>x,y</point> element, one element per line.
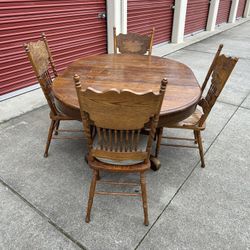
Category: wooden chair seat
<point>60,116</point>
<point>192,122</point>
<point>100,165</point>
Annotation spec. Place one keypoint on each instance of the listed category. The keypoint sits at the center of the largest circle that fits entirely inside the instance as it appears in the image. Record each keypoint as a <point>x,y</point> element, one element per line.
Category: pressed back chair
<point>221,70</point>
<point>43,65</point>
<point>133,43</point>
<point>118,146</point>
<point>211,68</point>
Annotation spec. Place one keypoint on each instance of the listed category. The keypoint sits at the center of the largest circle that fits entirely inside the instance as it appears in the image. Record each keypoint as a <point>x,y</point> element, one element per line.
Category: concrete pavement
<point>43,201</point>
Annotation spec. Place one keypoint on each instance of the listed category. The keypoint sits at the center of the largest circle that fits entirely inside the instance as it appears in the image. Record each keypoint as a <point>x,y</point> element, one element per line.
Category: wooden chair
<point>118,117</point>
<point>211,68</point>
<point>133,43</point>
<point>42,63</point>
<point>221,70</point>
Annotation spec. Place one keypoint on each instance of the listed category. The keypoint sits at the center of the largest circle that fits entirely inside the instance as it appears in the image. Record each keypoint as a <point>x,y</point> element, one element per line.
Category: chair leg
<point>51,129</point>
<point>195,137</point>
<point>199,140</point>
<point>98,177</point>
<point>57,127</point>
<point>159,132</point>
<point>91,195</point>
<point>144,198</point>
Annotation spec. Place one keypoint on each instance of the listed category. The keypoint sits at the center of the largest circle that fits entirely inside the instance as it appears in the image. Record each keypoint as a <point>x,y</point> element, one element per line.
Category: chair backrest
<point>43,66</point>
<point>211,68</point>
<point>220,74</point>
<point>133,43</point>
<point>118,117</point>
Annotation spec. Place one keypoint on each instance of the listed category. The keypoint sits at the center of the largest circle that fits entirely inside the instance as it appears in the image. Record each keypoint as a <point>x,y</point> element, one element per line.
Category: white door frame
<point>116,17</point>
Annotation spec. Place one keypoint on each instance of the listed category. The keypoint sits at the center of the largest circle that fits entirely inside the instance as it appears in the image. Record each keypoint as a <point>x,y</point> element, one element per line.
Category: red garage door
<point>144,15</point>
<point>241,8</point>
<point>224,11</point>
<point>72,28</point>
<point>197,14</point>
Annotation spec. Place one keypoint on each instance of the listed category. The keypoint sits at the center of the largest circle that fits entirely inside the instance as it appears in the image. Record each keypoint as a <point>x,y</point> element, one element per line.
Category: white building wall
<point>180,11</point>
<point>116,17</point>
<point>247,9</point>
<point>212,16</point>
<point>233,11</point>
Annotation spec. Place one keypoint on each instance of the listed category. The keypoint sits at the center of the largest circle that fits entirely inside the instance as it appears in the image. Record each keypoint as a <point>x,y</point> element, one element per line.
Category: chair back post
<point>84,115</point>
<point>220,74</point>
<point>211,68</point>
<point>155,120</point>
<point>50,55</point>
<point>151,42</point>
<point>47,90</point>
<point>115,40</point>
<point>39,56</point>
<point>27,50</point>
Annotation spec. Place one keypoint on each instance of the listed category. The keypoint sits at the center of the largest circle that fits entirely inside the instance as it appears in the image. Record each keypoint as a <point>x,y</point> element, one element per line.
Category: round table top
<point>135,72</point>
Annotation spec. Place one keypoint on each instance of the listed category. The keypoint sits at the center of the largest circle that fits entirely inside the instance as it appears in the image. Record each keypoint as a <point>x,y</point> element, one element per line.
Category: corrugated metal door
<point>72,28</point>
<point>241,8</point>
<point>196,17</point>
<point>223,11</point>
<point>144,15</point>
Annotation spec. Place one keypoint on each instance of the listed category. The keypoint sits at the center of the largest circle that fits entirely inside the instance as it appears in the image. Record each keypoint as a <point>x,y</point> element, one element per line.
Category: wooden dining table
<point>139,73</point>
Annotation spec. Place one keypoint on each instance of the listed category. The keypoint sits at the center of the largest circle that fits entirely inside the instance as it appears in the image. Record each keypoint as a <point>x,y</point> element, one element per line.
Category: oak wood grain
<point>133,43</point>
<point>117,116</point>
<point>44,68</point>
<point>218,74</point>
<point>135,72</point>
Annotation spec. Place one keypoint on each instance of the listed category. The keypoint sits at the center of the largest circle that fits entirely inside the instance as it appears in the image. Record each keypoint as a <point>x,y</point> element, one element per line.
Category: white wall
<point>212,15</point>
<point>233,11</point>
<point>180,10</point>
<point>247,9</point>
<point>116,17</point>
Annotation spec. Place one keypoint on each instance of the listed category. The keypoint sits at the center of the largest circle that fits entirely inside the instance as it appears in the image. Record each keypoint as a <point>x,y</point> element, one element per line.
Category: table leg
<point>155,163</point>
